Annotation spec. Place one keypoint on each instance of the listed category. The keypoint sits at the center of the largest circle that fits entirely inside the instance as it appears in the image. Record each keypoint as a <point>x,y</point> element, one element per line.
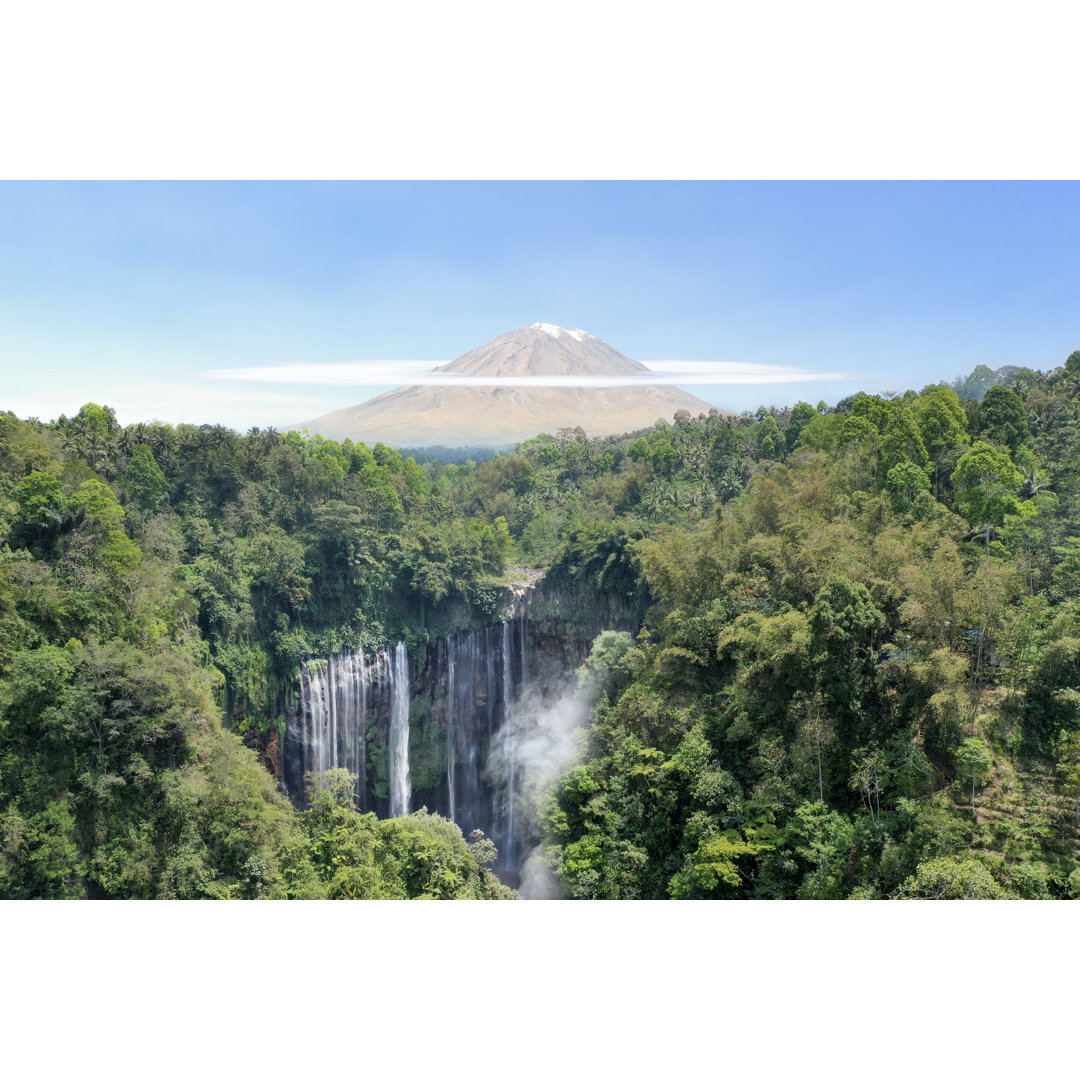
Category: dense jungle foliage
<point>858,673</point>
<point>151,577</point>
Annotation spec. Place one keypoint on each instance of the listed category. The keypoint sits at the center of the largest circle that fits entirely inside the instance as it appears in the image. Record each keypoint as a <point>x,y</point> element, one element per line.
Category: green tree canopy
<point>1003,418</point>
<point>987,484</point>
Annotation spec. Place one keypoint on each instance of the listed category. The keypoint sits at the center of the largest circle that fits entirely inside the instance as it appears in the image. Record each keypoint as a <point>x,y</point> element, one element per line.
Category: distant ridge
<point>418,416</point>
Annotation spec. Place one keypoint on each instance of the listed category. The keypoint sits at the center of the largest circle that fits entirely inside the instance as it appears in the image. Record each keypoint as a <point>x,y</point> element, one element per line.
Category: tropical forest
<point>810,652</point>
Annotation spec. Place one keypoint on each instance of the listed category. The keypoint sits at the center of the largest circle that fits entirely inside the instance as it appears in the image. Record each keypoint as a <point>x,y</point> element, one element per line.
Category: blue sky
<point>133,294</point>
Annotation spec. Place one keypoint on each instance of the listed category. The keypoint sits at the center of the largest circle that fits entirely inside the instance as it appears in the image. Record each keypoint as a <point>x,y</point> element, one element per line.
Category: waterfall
<point>360,700</point>
<point>482,730</point>
<point>475,691</point>
<point>524,611</point>
<point>469,699</point>
<point>333,717</point>
<point>345,700</point>
<point>489,671</point>
<point>399,733</point>
<point>508,740</point>
<point>451,726</point>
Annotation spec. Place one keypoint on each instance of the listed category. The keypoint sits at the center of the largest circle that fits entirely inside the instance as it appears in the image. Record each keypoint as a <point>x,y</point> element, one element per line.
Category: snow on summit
<point>545,349</point>
<point>557,331</point>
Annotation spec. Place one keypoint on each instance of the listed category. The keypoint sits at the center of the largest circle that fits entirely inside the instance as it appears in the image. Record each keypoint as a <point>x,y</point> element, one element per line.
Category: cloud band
<point>420,373</point>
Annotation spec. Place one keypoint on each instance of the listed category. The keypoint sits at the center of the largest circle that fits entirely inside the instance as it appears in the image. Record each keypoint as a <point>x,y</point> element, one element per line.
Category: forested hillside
<point>857,674</point>
<point>152,584</point>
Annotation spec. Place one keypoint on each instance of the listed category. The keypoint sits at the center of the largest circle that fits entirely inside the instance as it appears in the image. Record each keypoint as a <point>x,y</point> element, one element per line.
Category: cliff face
<point>489,705</point>
<point>481,702</point>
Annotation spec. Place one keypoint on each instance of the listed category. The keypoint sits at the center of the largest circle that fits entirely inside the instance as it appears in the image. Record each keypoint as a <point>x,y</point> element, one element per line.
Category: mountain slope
<point>499,416</point>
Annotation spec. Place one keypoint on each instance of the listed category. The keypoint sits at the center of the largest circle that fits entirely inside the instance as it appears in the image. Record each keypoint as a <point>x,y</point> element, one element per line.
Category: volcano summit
<point>493,415</point>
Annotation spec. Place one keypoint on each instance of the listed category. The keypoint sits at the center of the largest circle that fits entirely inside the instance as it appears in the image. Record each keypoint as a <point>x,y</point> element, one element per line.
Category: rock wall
<point>465,743</point>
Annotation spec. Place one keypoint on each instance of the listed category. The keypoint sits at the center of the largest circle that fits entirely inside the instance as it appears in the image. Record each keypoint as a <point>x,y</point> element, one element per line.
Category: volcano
<point>498,416</point>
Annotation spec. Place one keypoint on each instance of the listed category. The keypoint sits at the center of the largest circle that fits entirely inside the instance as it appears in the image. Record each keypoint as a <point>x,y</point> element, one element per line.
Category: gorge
<point>467,727</point>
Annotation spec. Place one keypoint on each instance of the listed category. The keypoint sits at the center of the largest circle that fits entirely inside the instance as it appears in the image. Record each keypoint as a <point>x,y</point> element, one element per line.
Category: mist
<point>541,739</point>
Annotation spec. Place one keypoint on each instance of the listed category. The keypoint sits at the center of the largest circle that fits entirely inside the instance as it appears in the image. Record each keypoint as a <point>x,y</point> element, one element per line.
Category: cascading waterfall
<point>466,663</point>
<point>475,689</point>
<point>346,700</point>
<point>508,741</point>
<point>523,613</point>
<point>399,733</point>
<point>451,727</point>
<point>480,726</point>
<point>333,715</point>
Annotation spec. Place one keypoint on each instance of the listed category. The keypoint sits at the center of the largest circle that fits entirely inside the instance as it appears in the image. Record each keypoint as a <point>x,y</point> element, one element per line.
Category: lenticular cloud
<point>422,373</point>
<point>541,354</point>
